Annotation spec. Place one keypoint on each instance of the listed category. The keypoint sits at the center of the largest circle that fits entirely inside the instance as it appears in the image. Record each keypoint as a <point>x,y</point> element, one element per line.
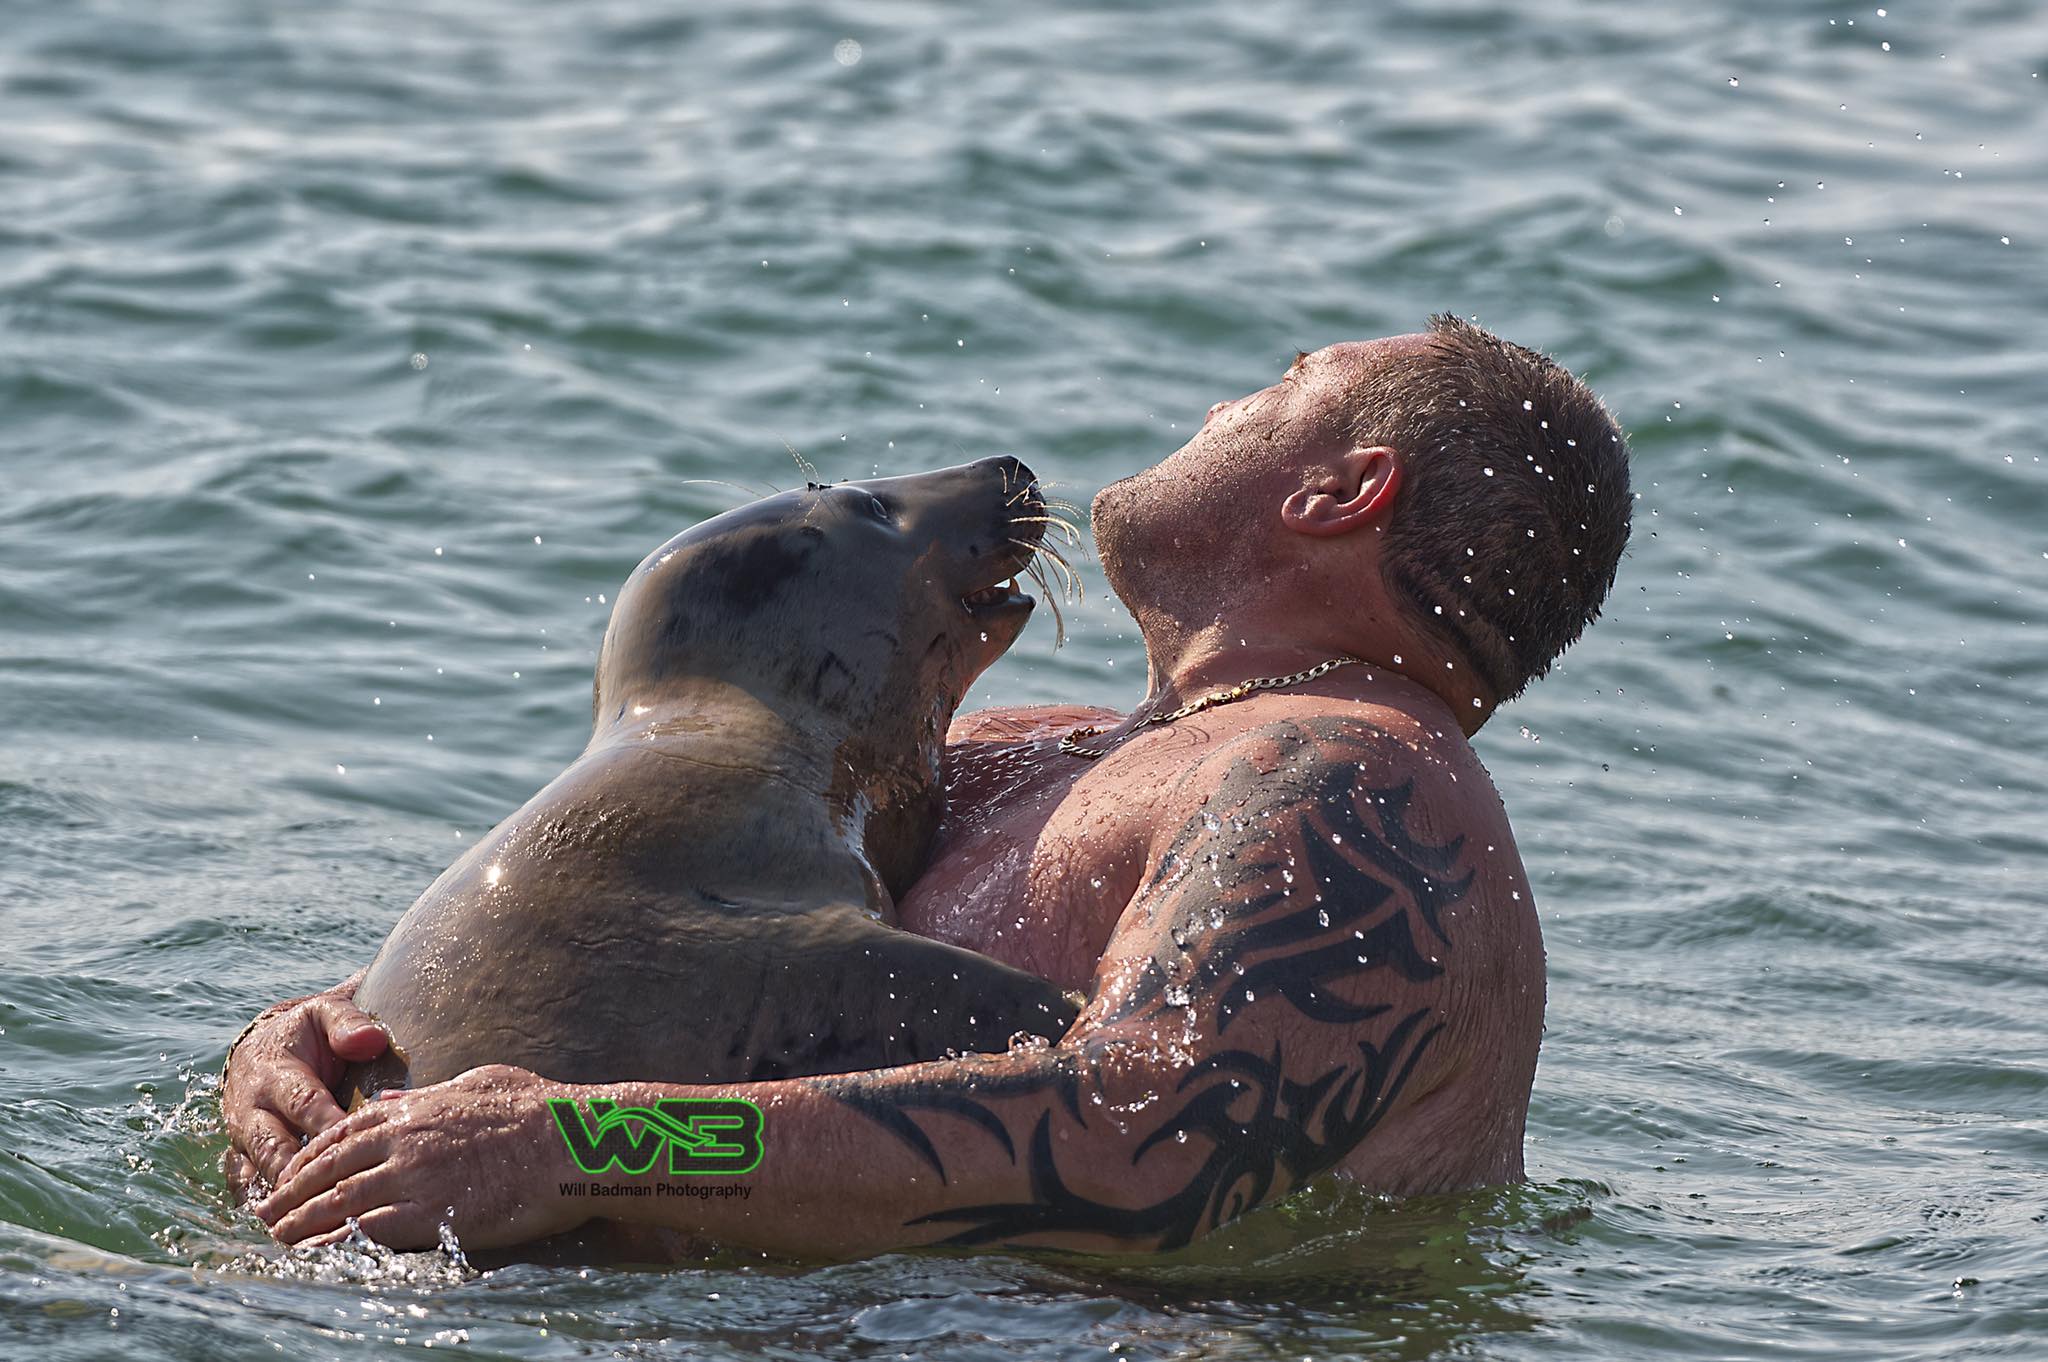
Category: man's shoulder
<point>1331,778</point>
<point>1025,723</point>
<point>1311,748</point>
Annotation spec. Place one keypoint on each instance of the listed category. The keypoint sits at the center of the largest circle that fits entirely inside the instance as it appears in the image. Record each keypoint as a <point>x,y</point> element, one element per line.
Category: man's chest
<point>1035,863</point>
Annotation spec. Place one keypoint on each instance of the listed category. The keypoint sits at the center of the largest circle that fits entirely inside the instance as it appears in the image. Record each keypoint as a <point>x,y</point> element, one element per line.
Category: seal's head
<point>859,612</point>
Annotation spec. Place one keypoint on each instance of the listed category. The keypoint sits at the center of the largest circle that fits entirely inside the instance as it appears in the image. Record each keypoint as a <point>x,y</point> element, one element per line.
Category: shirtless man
<point>1296,910</point>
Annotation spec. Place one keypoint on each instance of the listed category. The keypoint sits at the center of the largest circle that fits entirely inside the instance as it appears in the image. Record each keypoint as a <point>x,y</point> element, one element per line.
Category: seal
<point>707,893</point>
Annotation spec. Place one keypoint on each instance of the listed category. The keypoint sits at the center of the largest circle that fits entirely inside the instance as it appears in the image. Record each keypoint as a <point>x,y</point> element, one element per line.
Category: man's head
<point>1447,498</point>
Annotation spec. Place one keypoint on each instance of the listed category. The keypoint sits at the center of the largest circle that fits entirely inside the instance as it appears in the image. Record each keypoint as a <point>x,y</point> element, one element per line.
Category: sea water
<point>352,353</point>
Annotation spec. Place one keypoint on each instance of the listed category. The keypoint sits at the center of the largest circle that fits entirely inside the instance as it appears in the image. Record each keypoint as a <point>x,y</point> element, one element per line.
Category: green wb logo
<point>701,1135</point>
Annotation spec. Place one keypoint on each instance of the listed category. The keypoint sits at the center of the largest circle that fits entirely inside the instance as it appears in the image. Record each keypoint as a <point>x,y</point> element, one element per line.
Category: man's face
<point>1213,503</point>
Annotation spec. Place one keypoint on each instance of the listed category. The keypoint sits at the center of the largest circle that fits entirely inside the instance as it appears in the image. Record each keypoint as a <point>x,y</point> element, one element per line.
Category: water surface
<point>351,354</point>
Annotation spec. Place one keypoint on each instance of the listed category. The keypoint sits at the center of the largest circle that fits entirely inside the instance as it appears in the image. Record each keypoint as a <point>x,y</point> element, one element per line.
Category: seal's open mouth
<point>1002,596</point>
<point>999,608</point>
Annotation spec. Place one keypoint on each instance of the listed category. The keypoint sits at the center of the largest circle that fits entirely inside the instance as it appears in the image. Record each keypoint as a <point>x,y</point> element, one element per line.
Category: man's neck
<point>1184,664</point>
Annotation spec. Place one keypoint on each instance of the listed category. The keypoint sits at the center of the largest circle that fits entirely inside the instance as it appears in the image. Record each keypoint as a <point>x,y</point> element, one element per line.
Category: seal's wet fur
<point>705,894</point>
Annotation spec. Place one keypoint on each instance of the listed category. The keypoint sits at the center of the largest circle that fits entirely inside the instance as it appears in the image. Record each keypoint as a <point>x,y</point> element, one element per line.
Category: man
<point>1284,882</point>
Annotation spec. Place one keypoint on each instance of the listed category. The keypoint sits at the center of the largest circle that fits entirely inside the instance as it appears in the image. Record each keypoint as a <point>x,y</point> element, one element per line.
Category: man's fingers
<point>402,1225</point>
<point>329,1168</point>
<point>352,1034</point>
<point>270,1144</point>
<point>406,1225</point>
<point>354,1196</point>
<point>305,1102</point>
<point>290,1188</point>
<point>240,1174</point>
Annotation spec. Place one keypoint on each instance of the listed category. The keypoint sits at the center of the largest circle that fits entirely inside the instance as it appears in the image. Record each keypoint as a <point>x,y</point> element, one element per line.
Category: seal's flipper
<point>361,1082</point>
<point>866,996</point>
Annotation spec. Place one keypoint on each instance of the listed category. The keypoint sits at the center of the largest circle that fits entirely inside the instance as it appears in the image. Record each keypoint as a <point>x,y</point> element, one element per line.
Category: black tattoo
<point>891,1107</point>
<point>1262,921</point>
<point>1296,884</point>
<point>1302,1128</point>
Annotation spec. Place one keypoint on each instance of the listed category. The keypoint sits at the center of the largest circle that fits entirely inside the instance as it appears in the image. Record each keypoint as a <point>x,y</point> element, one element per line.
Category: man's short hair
<point>1515,503</point>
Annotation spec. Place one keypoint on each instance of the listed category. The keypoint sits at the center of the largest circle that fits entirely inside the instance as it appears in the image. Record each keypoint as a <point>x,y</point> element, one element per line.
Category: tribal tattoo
<point>1298,884</point>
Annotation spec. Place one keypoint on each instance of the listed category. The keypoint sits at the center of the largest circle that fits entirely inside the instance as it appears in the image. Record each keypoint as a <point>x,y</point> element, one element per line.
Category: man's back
<point>1375,880</point>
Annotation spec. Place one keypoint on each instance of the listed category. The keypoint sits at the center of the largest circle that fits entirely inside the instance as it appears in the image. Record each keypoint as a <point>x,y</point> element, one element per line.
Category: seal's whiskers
<point>804,465</point>
<point>1070,583</point>
<point>1070,580</point>
<point>751,492</point>
<point>1067,529</point>
<point>1059,619</point>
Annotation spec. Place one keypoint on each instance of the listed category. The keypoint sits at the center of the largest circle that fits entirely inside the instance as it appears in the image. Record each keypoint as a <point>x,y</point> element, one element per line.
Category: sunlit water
<point>350,354</point>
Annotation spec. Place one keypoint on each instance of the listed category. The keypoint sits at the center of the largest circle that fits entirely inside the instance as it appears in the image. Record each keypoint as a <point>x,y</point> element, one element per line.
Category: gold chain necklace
<point>1071,743</point>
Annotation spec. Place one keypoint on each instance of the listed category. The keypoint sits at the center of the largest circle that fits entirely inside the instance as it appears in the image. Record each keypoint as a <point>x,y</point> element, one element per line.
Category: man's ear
<point>1354,490</point>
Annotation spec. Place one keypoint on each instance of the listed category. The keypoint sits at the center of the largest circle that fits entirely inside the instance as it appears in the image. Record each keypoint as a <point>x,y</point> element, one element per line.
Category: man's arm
<point>1269,996</point>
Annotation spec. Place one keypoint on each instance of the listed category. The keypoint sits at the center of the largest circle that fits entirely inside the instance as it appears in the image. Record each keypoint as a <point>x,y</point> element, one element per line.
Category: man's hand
<point>276,1093</point>
<point>478,1153</point>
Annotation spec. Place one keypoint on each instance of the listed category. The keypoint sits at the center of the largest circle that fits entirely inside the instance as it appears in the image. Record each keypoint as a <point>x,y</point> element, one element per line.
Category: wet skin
<point>1304,932</point>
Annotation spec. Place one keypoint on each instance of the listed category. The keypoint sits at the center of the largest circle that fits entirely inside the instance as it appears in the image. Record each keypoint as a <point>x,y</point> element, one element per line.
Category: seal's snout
<point>1032,525</point>
<point>1009,489</point>
<point>1023,512</point>
<point>996,523</point>
<point>1016,476</point>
